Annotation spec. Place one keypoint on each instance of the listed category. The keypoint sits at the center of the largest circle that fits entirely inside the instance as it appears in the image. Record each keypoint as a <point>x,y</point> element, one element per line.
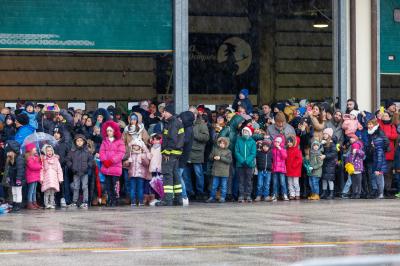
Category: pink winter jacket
<point>350,126</point>
<point>155,163</point>
<point>115,152</point>
<point>51,174</point>
<point>33,168</point>
<point>139,164</point>
<point>279,158</point>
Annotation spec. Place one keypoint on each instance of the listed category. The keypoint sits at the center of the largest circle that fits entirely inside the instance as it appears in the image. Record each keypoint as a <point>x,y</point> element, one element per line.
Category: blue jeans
<point>125,174</point>
<point>198,170</point>
<point>263,183</point>
<point>136,189</point>
<point>180,172</point>
<point>279,180</point>
<point>32,192</point>
<point>186,175</point>
<point>347,186</point>
<point>314,184</point>
<point>217,181</point>
<point>380,181</point>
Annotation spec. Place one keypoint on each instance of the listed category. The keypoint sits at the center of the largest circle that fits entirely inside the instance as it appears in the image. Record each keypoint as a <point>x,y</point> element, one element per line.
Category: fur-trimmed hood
<point>114,126</point>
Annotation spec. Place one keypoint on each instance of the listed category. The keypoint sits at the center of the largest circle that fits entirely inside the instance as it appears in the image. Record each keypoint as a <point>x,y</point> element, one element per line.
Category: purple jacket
<point>357,159</point>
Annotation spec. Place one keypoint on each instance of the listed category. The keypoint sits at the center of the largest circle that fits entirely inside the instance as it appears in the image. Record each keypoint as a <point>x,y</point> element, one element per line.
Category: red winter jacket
<point>294,160</point>
<point>391,134</point>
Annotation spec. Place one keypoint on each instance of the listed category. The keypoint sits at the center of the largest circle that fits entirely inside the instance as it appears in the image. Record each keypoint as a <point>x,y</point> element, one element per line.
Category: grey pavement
<point>280,233</point>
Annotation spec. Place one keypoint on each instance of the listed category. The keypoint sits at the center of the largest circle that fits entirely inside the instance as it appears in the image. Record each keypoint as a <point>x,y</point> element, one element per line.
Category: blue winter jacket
<point>32,119</point>
<point>397,159</point>
<point>23,132</point>
<point>379,160</point>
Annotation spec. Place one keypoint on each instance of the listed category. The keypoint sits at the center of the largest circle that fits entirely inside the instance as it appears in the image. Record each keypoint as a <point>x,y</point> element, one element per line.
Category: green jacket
<point>316,163</point>
<point>245,152</point>
<point>221,167</point>
<point>231,131</point>
<point>201,135</point>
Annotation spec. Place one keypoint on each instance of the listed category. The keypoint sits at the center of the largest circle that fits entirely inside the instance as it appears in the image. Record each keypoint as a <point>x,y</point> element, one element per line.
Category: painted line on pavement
<point>143,250</point>
<point>9,253</point>
<point>205,246</point>
<point>285,247</point>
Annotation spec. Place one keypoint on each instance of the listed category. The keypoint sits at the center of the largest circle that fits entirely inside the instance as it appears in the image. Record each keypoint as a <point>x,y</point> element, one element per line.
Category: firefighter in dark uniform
<point>171,150</point>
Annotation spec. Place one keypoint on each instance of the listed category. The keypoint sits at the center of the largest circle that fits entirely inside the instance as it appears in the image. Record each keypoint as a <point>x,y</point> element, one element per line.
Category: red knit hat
<point>30,146</point>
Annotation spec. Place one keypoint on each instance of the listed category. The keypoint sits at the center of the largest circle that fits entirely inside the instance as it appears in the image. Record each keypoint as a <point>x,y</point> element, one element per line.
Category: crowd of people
<point>289,150</point>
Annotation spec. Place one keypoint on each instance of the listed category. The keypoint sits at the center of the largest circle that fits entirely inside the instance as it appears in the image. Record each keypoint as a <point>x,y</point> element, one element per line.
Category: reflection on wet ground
<point>279,233</point>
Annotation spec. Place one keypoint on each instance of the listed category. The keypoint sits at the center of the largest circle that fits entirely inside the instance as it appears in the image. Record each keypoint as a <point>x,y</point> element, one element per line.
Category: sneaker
<point>72,205</point>
<point>345,196</point>
<point>221,200</point>
<point>257,199</point>
<point>185,201</point>
<point>397,195</point>
<point>274,198</point>
<point>84,206</point>
<point>133,205</point>
<point>63,204</point>
<point>240,200</point>
<point>47,207</point>
<point>292,197</point>
<point>381,196</point>
<point>140,204</point>
<point>211,200</point>
<point>53,207</point>
<point>153,202</point>
<point>285,197</point>
<point>268,199</point>
<point>249,200</point>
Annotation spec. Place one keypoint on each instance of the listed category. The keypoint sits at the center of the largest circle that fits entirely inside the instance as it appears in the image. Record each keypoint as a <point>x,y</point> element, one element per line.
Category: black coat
<point>8,133</point>
<point>329,166</point>
<point>79,160</point>
<point>264,160</point>
<point>187,119</point>
<point>15,172</point>
<point>62,149</point>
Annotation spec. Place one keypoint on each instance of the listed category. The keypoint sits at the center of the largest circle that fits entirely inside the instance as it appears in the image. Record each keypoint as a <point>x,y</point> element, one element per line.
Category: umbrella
<point>40,139</point>
<point>157,184</point>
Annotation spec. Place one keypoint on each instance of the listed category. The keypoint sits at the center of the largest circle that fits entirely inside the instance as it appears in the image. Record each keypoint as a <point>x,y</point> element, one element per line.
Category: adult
<point>335,123</point>
<point>390,130</point>
<point>317,121</point>
<point>201,135</point>
<point>376,147</point>
<point>24,129</point>
<point>243,100</point>
<point>171,149</point>
<point>266,117</point>
<point>393,110</point>
<point>112,151</point>
<point>281,127</point>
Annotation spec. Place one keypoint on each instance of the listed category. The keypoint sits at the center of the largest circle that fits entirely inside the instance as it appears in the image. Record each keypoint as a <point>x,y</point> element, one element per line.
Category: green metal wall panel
<point>390,37</point>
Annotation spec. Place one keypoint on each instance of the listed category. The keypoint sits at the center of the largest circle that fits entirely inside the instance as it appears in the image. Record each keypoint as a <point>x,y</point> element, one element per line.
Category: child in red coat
<point>294,164</point>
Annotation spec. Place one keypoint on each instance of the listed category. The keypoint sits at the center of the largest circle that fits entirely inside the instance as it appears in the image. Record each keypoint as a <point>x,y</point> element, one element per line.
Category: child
<point>80,160</point>
<point>294,164</point>
<point>279,155</point>
<point>245,153</point>
<point>351,124</point>
<point>51,176</point>
<point>155,163</point>
<point>30,112</point>
<point>264,167</point>
<point>316,162</point>
<point>15,172</point>
<point>33,168</point>
<point>396,168</point>
<point>222,158</point>
<point>138,170</point>
<point>356,158</point>
<point>329,165</point>
<point>9,128</point>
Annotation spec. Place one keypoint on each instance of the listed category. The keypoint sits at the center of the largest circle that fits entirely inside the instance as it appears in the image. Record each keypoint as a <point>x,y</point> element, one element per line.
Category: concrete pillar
<point>363,53</point>
<point>181,55</point>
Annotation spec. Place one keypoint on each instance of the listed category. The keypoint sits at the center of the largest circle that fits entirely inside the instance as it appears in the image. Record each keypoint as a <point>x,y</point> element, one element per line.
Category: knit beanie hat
<point>355,113</point>
<point>30,146</point>
<point>248,130</point>
<point>170,108</point>
<point>328,131</point>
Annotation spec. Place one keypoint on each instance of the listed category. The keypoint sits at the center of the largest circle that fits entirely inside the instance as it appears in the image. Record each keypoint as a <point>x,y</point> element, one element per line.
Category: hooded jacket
<point>245,152</point>
<point>79,159</point>
<point>221,167</point>
<point>279,157</point>
<point>246,103</point>
<point>391,133</point>
<point>33,169</point>
<point>264,160</point>
<point>112,151</point>
<point>232,131</point>
<point>103,112</point>
<point>376,145</point>
<point>51,173</point>
<point>23,132</point>
<point>357,159</point>
<point>294,160</point>
<point>315,161</point>
<point>201,135</point>
<point>329,164</point>
<point>139,161</point>
<point>187,119</point>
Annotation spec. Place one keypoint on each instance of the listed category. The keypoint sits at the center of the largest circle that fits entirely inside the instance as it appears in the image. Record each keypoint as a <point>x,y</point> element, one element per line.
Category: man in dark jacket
<point>187,119</point>
<point>62,149</point>
<point>80,160</point>
<point>171,150</point>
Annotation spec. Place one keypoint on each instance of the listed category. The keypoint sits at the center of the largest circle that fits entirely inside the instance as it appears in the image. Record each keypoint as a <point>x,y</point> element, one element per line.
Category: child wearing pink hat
<point>32,174</point>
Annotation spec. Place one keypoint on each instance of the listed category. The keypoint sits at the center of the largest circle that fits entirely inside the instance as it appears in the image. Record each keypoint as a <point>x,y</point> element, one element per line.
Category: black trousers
<point>245,175</point>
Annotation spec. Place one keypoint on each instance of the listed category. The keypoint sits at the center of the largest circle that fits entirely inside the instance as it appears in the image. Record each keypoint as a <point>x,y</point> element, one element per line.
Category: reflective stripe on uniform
<point>178,188</point>
<point>168,189</point>
<point>173,152</point>
<point>181,130</point>
<point>165,132</point>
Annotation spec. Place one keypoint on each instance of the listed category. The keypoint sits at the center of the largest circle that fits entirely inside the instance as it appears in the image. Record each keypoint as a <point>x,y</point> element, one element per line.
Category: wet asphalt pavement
<point>231,234</point>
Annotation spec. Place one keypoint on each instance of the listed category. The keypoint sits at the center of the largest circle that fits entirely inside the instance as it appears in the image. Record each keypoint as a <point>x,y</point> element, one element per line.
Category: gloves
<point>107,163</point>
